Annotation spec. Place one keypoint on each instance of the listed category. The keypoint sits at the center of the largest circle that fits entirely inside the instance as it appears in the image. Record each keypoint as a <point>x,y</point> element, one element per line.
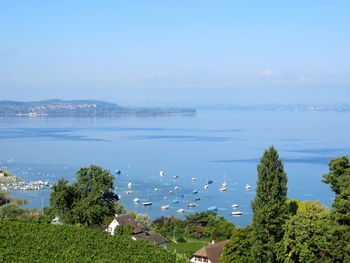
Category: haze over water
<point>214,145</point>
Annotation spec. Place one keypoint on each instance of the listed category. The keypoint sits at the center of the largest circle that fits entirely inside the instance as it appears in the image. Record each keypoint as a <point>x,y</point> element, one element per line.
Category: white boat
<point>155,189</point>
<point>136,200</point>
<point>165,197</point>
<point>170,192</point>
<point>175,176</point>
<point>194,179</point>
<point>161,173</point>
<point>234,206</point>
<point>129,184</point>
<point>236,213</point>
<point>223,189</point>
<point>176,188</point>
<point>192,205</point>
<point>128,192</point>
<point>247,187</point>
<point>164,207</point>
<point>147,203</point>
<point>224,184</point>
<point>206,186</point>
<point>180,211</point>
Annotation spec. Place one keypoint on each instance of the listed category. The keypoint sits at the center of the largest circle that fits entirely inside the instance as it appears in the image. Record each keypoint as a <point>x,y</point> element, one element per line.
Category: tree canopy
<point>90,200</point>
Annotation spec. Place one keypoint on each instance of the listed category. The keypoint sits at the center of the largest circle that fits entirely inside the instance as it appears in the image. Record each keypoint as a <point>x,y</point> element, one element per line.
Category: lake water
<point>214,145</point>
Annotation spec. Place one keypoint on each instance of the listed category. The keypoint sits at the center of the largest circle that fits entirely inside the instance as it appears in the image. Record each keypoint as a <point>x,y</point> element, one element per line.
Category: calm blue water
<point>214,145</point>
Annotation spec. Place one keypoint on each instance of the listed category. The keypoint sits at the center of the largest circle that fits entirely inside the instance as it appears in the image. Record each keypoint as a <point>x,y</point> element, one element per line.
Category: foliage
<point>339,232</point>
<point>208,225</point>
<point>269,207</point>
<point>180,239</point>
<point>4,198</point>
<point>89,201</point>
<point>238,247</point>
<point>119,209</point>
<point>144,221</point>
<point>8,174</point>
<point>304,239</point>
<point>36,242</point>
<point>186,248</point>
<point>124,230</point>
<point>11,211</point>
<point>169,227</point>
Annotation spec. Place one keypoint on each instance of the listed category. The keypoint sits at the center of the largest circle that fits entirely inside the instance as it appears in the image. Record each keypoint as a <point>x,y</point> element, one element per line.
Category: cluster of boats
<point>223,188</point>
<point>23,186</point>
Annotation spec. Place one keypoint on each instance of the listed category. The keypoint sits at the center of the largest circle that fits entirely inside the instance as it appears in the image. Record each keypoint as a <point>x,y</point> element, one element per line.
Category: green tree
<point>4,198</point>
<point>304,239</point>
<point>144,221</point>
<point>269,207</point>
<point>90,200</point>
<point>238,249</point>
<point>339,232</point>
<point>11,211</point>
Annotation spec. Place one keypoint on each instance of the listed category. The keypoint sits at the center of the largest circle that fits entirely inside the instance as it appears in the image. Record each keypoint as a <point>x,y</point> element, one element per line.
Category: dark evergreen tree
<point>269,207</point>
<point>339,230</point>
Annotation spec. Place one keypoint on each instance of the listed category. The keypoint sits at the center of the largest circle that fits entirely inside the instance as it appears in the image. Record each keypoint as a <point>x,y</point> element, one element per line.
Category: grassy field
<point>186,248</point>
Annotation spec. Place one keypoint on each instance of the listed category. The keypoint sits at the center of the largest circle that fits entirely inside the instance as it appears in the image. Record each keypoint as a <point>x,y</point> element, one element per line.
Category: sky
<point>183,52</point>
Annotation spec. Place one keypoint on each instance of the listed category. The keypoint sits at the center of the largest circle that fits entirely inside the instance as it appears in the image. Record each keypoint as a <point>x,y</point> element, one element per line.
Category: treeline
<point>292,231</point>
<point>84,108</point>
<point>28,241</point>
<point>199,226</point>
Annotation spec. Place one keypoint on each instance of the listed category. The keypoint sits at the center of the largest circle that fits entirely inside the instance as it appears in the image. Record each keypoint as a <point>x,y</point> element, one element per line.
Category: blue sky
<point>176,52</point>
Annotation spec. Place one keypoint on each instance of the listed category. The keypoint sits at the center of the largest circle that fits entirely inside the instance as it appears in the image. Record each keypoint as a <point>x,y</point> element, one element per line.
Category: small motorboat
<point>180,211</point>
<point>176,188</point>
<point>236,213</point>
<point>247,187</point>
<point>128,192</point>
<point>175,176</point>
<point>197,199</point>
<point>155,189</point>
<point>136,200</point>
<point>194,179</point>
<point>195,191</point>
<point>192,205</point>
<point>129,184</point>
<point>170,192</point>
<point>206,186</point>
<point>223,189</point>
<point>161,173</point>
<point>165,207</point>
<point>234,206</point>
<point>176,201</point>
<point>165,197</point>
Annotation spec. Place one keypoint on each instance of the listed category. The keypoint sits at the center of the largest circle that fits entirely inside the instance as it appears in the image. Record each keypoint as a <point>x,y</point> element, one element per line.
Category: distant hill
<point>57,107</point>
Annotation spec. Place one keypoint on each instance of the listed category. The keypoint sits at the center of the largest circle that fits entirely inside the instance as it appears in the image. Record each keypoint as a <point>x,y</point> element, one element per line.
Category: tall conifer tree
<point>269,207</point>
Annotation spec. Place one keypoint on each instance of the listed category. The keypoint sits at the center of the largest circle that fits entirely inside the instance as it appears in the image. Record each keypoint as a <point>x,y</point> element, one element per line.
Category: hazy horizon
<point>176,53</point>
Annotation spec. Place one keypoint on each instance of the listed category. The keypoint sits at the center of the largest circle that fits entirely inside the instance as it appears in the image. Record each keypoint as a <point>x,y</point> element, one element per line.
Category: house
<point>124,220</point>
<point>138,233</point>
<point>210,253</point>
<point>152,237</point>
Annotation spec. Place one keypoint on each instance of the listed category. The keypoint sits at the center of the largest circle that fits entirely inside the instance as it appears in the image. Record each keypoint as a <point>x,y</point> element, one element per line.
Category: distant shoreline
<point>84,108</point>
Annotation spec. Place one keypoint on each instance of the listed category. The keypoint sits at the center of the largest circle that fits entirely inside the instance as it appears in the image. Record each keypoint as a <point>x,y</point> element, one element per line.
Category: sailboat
<point>147,203</point>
